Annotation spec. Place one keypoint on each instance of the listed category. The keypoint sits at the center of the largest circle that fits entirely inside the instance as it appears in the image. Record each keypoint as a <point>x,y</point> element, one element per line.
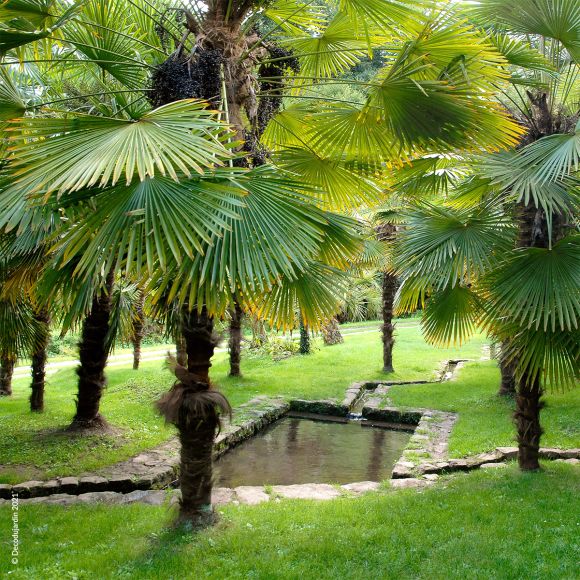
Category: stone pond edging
<point>422,461</point>
<point>152,468</point>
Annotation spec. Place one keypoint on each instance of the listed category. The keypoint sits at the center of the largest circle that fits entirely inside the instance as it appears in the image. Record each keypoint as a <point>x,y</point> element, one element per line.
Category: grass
<point>484,418</point>
<point>43,452</point>
<point>494,524</point>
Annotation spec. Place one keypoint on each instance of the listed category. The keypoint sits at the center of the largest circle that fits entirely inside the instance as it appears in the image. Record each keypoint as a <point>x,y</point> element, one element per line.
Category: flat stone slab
<point>492,465</point>
<point>361,486</point>
<point>251,495</point>
<point>222,495</point>
<point>318,491</point>
<point>409,483</point>
<point>508,452</point>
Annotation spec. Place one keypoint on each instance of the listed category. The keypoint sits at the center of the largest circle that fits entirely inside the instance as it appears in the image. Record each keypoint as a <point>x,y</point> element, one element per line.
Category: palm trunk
<point>331,332</point>
<point>304,338</point>
<point>388,299</point>
<point>93,354</point>
<point>39,362</point>
<point>137,334</point>
<point>196,469</point>
<point>235,343</point>
<point>527,418</point>
<point>197,433</point>
<point>7,364</point>
<point>507,369</point>
<point>180,349</point>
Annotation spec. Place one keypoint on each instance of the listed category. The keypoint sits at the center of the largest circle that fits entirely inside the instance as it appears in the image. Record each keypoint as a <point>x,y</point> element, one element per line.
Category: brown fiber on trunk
<point>7,364</point>
<point>193,407</point>
<point>527,418</point>
<point>137,330</point>
<point>39,362</point>
<point>200,342</point>
<point>93,354</point>
<point>235,342</point>
<point>388,328</point>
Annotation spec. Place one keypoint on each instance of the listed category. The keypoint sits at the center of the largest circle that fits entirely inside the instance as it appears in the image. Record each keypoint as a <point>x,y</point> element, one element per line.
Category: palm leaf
<point>83,151</point>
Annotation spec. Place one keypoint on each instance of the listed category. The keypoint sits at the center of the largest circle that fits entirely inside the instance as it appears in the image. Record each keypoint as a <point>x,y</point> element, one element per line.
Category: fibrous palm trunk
<point>39,357</point>
<point>197,426</point>
<point>235,342</point>
<point>507,367</point>
<point>93,354</point>
<point>304,338</point>
<point>527,417</point>
<point>389,290</point>
<point>7,364</point>
<point>137,330</point>
<point>331,332</point>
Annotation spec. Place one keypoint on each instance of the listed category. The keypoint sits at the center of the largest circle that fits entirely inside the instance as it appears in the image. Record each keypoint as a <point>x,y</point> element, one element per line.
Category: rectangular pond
<point>297,450</point>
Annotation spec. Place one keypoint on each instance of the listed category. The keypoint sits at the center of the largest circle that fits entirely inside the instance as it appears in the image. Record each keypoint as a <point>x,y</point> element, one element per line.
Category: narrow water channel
<point>304,451</point>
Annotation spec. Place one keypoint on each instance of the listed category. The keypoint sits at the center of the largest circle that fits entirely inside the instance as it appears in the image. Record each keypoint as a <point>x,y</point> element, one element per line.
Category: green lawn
<point>42,451</point>
<point>484,418</point>
<point>494,524</point>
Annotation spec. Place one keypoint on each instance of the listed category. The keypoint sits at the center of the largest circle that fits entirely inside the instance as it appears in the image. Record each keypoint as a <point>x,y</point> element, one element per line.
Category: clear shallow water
<point>304,451</point>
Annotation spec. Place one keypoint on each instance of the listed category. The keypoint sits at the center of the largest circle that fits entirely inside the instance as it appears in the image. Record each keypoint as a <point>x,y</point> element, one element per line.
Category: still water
<point>304,451</point>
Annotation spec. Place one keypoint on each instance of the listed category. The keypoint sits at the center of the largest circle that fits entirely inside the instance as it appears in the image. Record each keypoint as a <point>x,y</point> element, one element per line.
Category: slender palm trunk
<point>331,332</point>
<point>180,349</point>
<point>197,433</point>
<point>388,300</point>
<point>39,357</point>
<point>304,337</point>
<point>507,369</point>
<point>137,331</point>
<point>93,354</point>
<point>235,342</point>
<point>527,417</point>
<point>7,364</point>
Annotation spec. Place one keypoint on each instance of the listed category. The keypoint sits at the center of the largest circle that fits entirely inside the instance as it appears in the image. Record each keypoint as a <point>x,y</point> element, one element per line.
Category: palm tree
<point>137,326</point>
<point>235,342</point>
<point>170,193</point>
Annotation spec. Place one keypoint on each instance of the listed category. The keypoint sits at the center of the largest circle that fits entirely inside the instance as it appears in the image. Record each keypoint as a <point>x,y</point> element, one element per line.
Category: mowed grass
<point>34,445</point>
<point>494,524</point>
<point>485,420</point>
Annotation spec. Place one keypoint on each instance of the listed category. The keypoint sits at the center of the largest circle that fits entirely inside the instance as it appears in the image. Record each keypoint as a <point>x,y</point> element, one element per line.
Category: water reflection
<point>304,451</point>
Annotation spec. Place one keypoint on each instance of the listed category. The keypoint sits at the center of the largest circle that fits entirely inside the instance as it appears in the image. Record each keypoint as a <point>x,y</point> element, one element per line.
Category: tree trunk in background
<point>507,369</point>
<point>93,354</point>
<point>304,338</point>
<point>331,332</point>
<point>180,349</point>
<point>388,299</point>
<point>137,333</point>
<point>7,364</point>
<point>39,362</point>
<point>197,433</point>
<point>527,417</point>
<point>235,342</point>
